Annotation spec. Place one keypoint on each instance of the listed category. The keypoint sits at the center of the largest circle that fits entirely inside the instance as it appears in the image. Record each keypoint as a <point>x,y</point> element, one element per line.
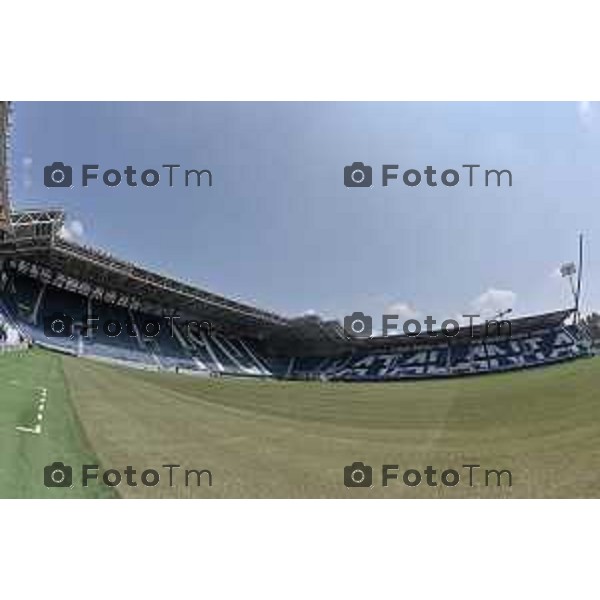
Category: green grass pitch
<point>268,439</point>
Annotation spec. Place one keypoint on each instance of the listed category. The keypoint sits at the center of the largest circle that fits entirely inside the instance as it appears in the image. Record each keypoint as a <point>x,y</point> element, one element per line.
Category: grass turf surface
<point>293,439</point>
<point>23,456</point>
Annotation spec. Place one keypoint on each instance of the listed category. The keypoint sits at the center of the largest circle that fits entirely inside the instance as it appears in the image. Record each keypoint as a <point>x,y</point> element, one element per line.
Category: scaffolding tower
<point>5,218</point>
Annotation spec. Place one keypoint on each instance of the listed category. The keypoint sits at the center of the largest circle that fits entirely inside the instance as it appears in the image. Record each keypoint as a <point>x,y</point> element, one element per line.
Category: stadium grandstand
<point>71,298</point>
<point>74,299</point>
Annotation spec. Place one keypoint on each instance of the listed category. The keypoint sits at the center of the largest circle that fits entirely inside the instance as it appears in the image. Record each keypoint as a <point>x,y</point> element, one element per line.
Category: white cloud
<point>404,311</point>
<point>73,231</point>
<point>492,301</point>
<point>585,112</point>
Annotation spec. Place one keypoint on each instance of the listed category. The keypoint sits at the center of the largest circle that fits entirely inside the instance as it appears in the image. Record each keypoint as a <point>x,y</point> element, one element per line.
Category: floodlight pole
<point>579,276</point>
<point>502,313</point>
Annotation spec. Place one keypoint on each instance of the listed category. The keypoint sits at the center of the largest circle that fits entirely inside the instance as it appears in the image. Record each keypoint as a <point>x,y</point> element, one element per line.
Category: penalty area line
<point>39,417</point>
<point>35,430</point>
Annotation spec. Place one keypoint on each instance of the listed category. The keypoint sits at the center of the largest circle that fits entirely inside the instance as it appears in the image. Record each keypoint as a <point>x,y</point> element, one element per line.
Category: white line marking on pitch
<point>41,405</point>
<point>37,429</point>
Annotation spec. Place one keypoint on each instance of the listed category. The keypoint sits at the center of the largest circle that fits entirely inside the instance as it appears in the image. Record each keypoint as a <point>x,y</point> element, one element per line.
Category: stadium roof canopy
<point>35,240</point>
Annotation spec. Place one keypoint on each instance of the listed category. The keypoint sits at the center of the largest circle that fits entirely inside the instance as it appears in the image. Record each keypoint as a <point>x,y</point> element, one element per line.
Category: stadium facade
<point>111,309</point>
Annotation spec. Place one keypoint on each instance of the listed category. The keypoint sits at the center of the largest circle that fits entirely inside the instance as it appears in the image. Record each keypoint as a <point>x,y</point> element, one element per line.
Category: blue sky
<point>280,230</point>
